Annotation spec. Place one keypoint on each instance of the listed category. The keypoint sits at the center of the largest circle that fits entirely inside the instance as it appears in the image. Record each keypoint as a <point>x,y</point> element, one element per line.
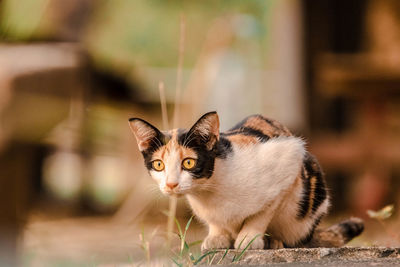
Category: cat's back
<point>255,129</point>
<point>264,158</point>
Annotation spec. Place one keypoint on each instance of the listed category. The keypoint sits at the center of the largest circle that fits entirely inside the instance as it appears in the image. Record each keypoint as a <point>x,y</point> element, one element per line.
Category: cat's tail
<point>338,234</point>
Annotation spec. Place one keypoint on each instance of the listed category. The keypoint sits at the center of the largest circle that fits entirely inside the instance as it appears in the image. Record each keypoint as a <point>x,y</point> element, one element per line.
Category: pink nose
<point>172,185</point>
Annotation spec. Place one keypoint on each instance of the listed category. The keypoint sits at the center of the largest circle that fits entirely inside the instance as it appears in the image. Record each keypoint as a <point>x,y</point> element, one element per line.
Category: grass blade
<point>241,242</point>
<point>223,257</point>
<point>177,263</point>
<point>179,227</point>
<point>191,257</point>
<point>203,256</point>
<point>183,236</point>
<point>186,245</point>
<point>244,250</point>
<point>195,243</point>
<point>188,224</point>
<point>184,249</point>
<point>212,259</point>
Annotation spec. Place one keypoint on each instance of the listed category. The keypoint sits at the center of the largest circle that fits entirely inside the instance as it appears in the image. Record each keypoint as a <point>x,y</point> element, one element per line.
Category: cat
<point>253,184</point>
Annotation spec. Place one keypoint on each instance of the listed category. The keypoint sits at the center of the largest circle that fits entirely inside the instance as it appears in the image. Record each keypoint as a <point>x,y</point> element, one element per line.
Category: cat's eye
<point>188,163</point>
<point>158,165</point>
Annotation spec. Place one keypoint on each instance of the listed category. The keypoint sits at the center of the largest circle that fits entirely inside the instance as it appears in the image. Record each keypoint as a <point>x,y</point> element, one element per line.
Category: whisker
<point>186,138</point>
<point>156,144</point>
<point>190,140</point>
<point>159,142</point>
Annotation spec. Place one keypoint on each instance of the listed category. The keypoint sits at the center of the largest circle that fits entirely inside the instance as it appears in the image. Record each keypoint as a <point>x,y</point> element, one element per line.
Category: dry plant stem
<point>172,200</point>
<point>178,91</point>
<point>145,246</point>
<point>171,215</point>
<point>163,102</point>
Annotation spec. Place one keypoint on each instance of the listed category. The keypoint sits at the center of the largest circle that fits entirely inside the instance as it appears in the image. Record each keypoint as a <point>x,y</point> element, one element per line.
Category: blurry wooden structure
<point>38,82</point>
<point>359,72</point>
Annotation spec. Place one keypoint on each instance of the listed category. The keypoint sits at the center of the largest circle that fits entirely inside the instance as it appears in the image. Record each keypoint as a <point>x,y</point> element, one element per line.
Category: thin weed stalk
<point>163,102</point>
<point>173,199</point>
<point>223,256</point>
<point>211,260</point>
<point>203,256</point>
<point>145,246</point>
<point>235,259</point>
<point>178,92</point>
<point>185,256</point>
<point>171,216</point>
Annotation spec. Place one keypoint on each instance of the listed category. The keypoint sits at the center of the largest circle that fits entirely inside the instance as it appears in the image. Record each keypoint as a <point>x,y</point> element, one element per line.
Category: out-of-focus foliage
<point>147,32</point>
<point>382,214</point>
<point>140,33</point>
<point>21,20</point>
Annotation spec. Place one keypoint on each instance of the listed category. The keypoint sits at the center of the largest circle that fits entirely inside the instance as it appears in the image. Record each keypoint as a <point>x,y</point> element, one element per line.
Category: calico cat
<point>256,178</point>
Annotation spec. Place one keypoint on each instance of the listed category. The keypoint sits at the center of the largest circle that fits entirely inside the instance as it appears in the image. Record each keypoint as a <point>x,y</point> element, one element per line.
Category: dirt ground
<point>346,256</point>
<point>95,241</point>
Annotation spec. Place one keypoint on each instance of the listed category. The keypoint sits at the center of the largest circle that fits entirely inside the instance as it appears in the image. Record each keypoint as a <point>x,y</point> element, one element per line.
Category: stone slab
<point>344,256</point>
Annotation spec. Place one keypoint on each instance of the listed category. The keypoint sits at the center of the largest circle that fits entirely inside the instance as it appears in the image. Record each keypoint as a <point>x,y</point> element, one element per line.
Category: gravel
<point>344,256</point>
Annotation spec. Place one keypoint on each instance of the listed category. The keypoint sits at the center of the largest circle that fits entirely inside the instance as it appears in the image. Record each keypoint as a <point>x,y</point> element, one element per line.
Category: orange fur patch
<point>313,181</point>
<point>242,140</point>
<point>160,153</point>
<point>187,153</point>
<point>271,129</point>
<point>173,147</point>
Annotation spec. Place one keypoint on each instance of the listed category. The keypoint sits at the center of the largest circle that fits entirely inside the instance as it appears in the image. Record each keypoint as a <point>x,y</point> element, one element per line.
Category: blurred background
<point>73,186</point>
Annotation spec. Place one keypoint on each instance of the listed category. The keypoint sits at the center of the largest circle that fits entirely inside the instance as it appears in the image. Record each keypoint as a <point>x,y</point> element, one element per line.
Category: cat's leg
<point>255,226</point>
<point>275,243</point>
<point>217,238</point>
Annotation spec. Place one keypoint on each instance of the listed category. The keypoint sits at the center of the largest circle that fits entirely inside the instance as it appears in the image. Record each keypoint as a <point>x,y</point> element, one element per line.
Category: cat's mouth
<point>174,192</point>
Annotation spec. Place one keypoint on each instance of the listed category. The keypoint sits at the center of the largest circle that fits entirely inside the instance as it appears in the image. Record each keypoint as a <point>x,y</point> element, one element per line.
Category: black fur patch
<point>269,121</point>
<point>350,229</point>
<point>248,132</point>
<point>310,234</point>
<point>274,124</point>
<point>223,148</point>
<point>305,202</point>
<point>154,146</point>
<point>205,158</point>
<point>311,168</point>
<point>320,193</point>
<point>159,140</point>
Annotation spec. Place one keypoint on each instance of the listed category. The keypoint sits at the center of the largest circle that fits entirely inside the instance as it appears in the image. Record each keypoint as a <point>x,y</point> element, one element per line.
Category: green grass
<point>189,253</point>
<point>236,259</point>
<point>186,256</point>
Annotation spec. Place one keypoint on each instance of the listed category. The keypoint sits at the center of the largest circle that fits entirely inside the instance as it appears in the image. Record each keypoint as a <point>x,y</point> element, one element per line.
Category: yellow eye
<point>188,163</point>
<point>158,165</point>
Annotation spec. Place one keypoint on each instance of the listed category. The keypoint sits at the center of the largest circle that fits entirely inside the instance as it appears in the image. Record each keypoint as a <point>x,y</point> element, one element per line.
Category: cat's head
<point>180,161</point>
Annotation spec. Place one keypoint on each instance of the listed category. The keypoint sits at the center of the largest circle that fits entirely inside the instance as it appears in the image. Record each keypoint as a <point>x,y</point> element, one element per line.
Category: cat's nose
<point>172,185</point>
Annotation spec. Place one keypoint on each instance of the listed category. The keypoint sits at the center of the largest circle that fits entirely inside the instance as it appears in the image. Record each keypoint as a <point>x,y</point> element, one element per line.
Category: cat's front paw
<point>244,239</point>
<point>275,243</point>
<point>216,241</point>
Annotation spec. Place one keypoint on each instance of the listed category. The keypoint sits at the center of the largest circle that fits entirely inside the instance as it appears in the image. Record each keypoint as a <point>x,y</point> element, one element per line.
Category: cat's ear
<point>207,128</point>
<point>146,134</point>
